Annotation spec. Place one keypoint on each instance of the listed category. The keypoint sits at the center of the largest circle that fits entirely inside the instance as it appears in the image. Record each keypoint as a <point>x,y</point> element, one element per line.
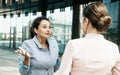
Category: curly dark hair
<point>35,24</point>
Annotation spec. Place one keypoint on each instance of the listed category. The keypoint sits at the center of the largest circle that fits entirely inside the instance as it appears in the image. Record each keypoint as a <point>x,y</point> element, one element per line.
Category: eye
<point>50,27</point>
<point>44,27</point>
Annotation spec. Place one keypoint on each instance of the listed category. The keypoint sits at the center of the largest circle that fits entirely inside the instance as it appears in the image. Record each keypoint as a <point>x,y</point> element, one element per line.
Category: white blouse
<point>91,55</point>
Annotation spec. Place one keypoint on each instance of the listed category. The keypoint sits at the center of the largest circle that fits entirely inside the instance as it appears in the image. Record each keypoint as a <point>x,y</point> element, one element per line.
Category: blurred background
<point>16,17</point>
<point>65,16</point>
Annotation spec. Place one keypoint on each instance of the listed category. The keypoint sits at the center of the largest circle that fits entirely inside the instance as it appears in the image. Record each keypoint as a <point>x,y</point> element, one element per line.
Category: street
<point>8,62</point>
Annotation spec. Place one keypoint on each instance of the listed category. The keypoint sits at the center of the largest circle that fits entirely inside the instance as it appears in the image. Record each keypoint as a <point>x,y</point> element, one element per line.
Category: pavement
<point>8,62</point>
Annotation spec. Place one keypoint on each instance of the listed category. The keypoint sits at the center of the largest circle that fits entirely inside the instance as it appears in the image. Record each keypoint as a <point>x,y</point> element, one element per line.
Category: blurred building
<point>16,17</point>
<point>113,33</point>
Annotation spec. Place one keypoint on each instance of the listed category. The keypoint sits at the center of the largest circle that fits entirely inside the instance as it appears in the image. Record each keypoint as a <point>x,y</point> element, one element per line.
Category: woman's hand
<point>21,51</point>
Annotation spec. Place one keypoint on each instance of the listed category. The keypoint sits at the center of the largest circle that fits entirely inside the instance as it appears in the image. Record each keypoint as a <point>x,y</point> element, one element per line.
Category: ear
<point>35,30</point>
<point>86,21</point>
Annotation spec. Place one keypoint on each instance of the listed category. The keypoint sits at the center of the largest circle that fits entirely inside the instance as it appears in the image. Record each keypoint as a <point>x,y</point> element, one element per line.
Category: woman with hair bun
<point>92,54</point>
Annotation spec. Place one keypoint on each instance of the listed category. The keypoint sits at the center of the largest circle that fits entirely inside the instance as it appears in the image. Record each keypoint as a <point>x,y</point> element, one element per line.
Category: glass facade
<point>61,21</point>
<point>113,9</point>
<point>15,28</point>
<point>15,25</point>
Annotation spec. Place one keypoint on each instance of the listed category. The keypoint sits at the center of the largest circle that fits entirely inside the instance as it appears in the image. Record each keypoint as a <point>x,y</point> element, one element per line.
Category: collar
<point>38,43</point>
<point>94,36</point>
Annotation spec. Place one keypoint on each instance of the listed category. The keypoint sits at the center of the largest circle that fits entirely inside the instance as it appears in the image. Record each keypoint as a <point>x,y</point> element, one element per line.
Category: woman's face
<point>44,29</point>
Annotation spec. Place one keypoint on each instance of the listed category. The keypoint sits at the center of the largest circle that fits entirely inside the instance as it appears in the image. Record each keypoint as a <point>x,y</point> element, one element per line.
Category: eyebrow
<point>45,24</point>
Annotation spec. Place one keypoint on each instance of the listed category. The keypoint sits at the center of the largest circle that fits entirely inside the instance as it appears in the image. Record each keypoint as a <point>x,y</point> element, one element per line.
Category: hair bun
<point>104,22</point>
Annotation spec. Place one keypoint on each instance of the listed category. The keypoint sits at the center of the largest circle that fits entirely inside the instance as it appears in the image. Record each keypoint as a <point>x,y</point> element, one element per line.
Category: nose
<point>48,29</point>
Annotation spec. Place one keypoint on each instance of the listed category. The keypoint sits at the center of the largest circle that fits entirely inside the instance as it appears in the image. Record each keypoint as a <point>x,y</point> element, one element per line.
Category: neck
<point>92,30</point>
<point>42,40</point>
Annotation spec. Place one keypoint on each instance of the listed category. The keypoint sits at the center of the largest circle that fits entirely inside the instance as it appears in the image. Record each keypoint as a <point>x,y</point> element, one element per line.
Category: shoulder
<point>73,42</point>
<point>53,45</point>
<point>27,41</point>
<point>52,41</point>
<point>76,41</point>
<point>111,44</point>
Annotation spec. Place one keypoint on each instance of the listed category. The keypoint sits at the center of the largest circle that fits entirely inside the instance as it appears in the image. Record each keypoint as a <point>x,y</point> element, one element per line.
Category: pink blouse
<point>91,55</point>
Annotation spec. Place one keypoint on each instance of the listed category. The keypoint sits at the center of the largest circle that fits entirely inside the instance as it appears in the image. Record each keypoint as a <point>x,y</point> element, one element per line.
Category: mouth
<point>47,33</point>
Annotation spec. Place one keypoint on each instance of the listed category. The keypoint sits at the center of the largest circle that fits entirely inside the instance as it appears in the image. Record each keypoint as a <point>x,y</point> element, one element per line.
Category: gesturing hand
<point>21,51</point>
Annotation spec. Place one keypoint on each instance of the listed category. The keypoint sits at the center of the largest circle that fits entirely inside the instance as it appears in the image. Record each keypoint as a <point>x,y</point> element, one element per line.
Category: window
<point>34,0</point>
<point>9,2</point>
<point>34,12</point>
<point>61,25</point>
<point>52,11</point>
<point>26,13</point>
<point>114,0</point>
<point>11,15</point>
<point>62,9</point>
<point>4,15</point>
<point>18,14</point>
<point>20,1</point>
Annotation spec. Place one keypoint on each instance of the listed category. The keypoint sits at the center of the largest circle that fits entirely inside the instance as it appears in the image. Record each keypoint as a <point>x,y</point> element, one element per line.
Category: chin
<point>47,36</point>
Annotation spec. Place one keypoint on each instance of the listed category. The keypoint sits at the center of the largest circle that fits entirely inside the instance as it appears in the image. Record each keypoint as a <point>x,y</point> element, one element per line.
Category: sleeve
<point>66,63</point>
<point>116,68</point>
<point>22,68</point>
<point>57,65</point>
